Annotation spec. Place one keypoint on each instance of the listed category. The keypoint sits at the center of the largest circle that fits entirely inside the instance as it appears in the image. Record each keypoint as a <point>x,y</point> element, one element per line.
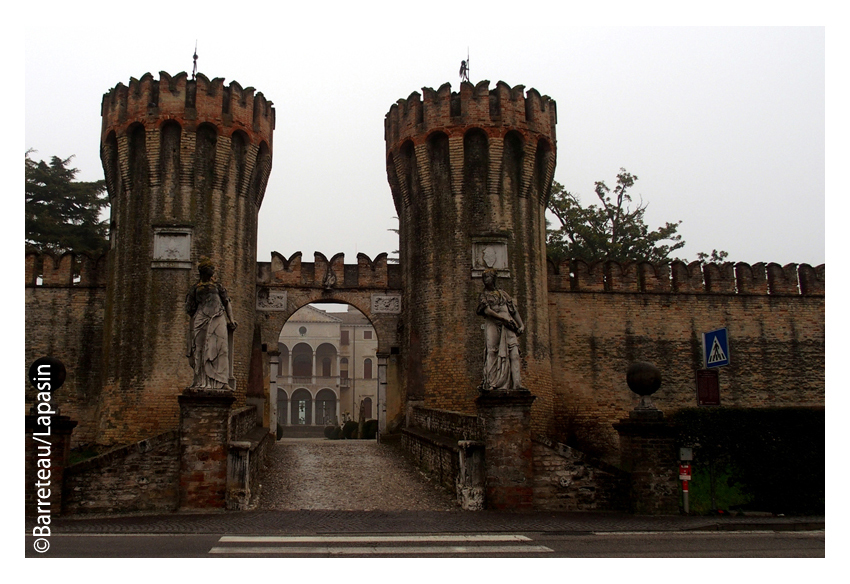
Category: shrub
<point>370,430</point>
<point>773,457</point>
<point>348,429</point>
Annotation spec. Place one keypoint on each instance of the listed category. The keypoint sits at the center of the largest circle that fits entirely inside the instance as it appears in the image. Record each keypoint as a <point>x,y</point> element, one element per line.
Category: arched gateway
<point>371,286</point>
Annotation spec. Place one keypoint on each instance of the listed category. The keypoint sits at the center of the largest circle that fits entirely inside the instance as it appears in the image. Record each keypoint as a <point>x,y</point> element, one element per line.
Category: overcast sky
<point>724,126</point>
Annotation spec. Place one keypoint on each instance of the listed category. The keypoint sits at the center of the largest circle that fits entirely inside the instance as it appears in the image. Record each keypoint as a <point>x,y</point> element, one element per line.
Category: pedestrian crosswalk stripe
<point>410,544</point>
<point>370,538</point>
<point>384,550</point>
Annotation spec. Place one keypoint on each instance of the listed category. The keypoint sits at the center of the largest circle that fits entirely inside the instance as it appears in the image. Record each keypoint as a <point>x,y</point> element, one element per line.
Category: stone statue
<point>502,327</point>
<point>211,319</point>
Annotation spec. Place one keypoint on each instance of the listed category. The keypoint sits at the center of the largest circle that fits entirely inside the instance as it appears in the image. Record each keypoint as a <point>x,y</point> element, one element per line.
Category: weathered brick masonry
<point>470,168</point>
<point>64,318</point>
<point>185,158</point>
<point>606,316</point>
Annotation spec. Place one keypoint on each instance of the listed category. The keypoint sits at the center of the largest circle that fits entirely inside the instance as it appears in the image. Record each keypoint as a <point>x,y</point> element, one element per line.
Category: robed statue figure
<point>502,327</point>
<point>211,319</point>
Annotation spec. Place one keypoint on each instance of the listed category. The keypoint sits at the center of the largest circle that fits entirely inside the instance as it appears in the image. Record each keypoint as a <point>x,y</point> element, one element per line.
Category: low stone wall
<point>247,452</point>
<point>454,424</point>
<point>432,437</point>
<point>242,422</point>
<point>143,476</point>
<point>567,480</point>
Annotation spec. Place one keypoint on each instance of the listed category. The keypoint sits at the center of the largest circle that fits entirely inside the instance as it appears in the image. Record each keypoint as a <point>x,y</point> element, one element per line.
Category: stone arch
<point>301,406</point>
<point>302,362</point>
<point>326,354</point>
<point>386,326</point>
<point>327,401</point>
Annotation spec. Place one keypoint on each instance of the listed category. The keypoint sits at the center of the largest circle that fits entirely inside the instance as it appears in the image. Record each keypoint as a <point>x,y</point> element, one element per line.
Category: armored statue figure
<point>211,318</point>
<point>502,327</point>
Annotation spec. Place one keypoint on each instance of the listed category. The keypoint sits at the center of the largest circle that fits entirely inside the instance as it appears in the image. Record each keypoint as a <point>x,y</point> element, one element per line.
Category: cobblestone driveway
<point>346,475</point>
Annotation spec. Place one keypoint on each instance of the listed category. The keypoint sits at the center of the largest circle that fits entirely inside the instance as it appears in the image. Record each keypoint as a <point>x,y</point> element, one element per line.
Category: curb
<point>804,526</point>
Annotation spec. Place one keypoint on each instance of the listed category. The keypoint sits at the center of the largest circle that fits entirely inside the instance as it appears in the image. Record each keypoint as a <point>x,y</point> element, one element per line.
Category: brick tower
<point>470,174</point>
<point>186,165</point>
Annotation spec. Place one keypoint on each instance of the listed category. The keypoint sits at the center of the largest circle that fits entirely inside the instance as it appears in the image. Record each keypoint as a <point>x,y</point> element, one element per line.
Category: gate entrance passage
<point>347,475</point>
<point>327,373</point>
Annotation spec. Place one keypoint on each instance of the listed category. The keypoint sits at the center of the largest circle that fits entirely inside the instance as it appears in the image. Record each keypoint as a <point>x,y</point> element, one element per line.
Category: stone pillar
<point>648,453</point>
<point>48,439</point>
<point>648,447</point>
<point>337,408</point>
<point>470,483</point>
<point>289,370</point>
<point>508,461</point>
<point>204,428</point>
<point>274,369</point>
<point>382,395</point>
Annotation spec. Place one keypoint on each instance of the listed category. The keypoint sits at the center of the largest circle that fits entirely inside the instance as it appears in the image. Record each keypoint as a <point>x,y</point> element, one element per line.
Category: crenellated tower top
<point>496,111</point>
<point>470,174</point>
<point>153,102</point>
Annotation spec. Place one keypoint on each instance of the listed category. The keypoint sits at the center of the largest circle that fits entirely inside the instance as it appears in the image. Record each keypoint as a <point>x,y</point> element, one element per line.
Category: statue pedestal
<point>204,419</point>
<point>508,461</point>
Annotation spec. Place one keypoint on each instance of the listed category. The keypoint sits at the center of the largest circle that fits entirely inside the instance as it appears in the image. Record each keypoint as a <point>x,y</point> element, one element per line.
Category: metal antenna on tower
<point>464,68</point>
<point>195,61</point>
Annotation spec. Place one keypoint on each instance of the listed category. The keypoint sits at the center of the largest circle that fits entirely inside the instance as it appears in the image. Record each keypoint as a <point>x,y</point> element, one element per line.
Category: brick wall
<point>601,323</point>
<point>64,319</point>
<point>567,480</point>
<point>139,477</point>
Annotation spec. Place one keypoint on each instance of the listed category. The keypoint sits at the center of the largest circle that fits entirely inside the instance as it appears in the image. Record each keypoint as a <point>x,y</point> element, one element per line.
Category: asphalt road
<point>736,544</point>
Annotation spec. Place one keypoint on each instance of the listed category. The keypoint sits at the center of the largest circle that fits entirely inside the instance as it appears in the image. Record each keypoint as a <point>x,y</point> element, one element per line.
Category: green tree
<point>612,230</point>
<point>63,214</point>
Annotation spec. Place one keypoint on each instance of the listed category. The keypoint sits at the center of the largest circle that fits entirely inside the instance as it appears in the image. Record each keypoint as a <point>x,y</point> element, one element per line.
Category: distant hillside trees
<point>63,214</point>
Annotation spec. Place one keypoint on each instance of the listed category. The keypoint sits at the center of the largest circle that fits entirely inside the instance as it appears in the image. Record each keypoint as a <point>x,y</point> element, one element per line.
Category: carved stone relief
<point>172,247</point>
<point>269,299</point>
<point>386,304</point>
<point>490,254</point>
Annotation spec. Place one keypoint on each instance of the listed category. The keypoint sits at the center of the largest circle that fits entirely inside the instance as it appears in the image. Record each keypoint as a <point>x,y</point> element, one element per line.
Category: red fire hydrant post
<point>685,476</point>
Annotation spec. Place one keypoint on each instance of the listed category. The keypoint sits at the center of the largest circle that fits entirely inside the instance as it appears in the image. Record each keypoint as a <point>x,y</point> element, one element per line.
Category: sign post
<point>685,456</point>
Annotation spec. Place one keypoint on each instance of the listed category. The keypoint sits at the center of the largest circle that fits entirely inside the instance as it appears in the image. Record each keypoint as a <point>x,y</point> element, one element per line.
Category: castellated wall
<point>606,316</point>
<point>602,318</point>
<point>64,319</point>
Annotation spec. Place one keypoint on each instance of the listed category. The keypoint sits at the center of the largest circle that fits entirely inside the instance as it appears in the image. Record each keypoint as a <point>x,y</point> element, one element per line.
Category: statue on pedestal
<point>503,325</point>
<point>210,327</point>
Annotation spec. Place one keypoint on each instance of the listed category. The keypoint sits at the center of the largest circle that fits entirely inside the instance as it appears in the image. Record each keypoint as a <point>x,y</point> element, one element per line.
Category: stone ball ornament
<point>644,379</point>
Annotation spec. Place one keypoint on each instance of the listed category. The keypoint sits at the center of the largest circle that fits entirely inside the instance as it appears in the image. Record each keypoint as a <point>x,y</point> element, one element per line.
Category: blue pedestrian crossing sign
<point>715,348</point>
